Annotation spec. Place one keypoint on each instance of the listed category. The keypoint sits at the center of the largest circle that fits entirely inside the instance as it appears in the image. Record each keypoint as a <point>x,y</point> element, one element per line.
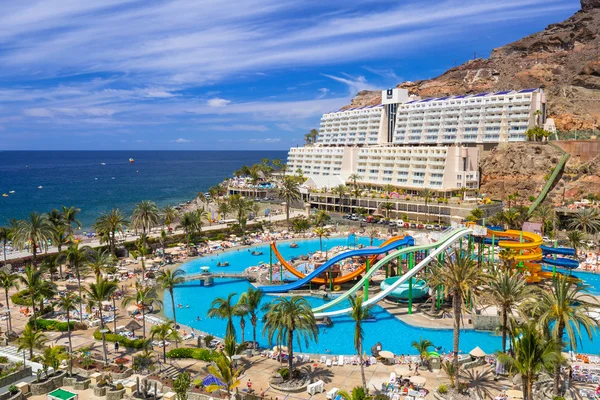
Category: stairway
<point>170,372</point>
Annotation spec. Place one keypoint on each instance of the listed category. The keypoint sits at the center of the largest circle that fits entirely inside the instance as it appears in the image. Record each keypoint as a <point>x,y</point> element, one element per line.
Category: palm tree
<point>60,238</point>
<point>586,219</point>
<point>507,290</point>
<point>565,308</point>
<point>354,178</point>
<point>372,233</point>
<point>145,216</point>
<point>69,216</point>
<point>251,299</point>
<point>32,279</point>
<point>387,206</point>
<point>31,339</point>
<point>358,393</point>
<point>144,297</point>
<point>311,137</point>
<point>426,194</point>
<point>388,189</point>
<point>320,232</point>
<point>241,310</point>
<point>433,279</point>
<point>223,370</point>
<point>167,280</point>
<point>340,192</point>
<point>67,304</point>
<point>164,332</point>
<point>463,280</point>
<point>289,315</point>
<point>8,281</point>
<point>508,256</point>
<point>545,214</point>
<point>223,308</point>
<point>5,237</point>
<point>422,346</point>
<point>35,231</point>
<point>78,261</point>
<point>109,225</point>
<point>99,261</point>
<point>169,215</point>
<point>289,191</point>
<point>359,314</point>
<point>532,353</point>
<point>321,218</point>
<point>576,240</point>
<point>98,292</point>
<point>188,223</point>
<point>223,209</point>
<point>142,251</point>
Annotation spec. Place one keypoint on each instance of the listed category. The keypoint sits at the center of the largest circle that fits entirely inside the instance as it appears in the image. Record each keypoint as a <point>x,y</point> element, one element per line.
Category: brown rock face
<point>565,58</point>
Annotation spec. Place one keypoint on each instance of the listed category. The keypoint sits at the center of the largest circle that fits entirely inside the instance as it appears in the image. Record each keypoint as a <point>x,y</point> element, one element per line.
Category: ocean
<point>96,181</point>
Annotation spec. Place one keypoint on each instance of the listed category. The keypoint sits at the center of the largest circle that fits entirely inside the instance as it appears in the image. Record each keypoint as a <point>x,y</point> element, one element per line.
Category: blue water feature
<point>394,335</point>
<point>589,278</point>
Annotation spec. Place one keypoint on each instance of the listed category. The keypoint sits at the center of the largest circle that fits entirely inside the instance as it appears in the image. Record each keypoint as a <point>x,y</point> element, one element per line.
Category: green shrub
<point>130,343</point>
<point>13,388</point>
<point>52,325</point>
<point>197,354</point>
<point>119,386</point>
<point>21,298</point>
<point>558,398</point>
<point>442,389</point>
<point>284,372</point>
<point>3,360</point>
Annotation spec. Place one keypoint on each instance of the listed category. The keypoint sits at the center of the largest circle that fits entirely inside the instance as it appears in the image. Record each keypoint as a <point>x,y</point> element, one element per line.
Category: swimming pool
<point>589,278</point>
<point>394,335</point>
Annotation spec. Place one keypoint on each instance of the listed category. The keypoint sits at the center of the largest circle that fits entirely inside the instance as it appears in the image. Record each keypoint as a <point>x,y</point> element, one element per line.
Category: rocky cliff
<point>524,168</point>
<point>564,57</point>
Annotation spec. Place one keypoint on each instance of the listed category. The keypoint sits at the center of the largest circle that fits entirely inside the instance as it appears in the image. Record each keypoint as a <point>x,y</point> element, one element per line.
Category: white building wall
<point>362,126</point>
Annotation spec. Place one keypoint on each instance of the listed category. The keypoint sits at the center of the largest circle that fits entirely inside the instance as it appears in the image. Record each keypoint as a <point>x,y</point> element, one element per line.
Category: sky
<point>245,74</point>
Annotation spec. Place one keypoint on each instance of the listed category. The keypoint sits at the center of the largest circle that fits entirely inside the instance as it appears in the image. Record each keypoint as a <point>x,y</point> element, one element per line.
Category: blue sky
<point>245,74</point>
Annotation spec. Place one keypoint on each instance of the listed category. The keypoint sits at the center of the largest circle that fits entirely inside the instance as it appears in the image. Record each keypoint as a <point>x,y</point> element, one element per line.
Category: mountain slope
<point>565,58</point>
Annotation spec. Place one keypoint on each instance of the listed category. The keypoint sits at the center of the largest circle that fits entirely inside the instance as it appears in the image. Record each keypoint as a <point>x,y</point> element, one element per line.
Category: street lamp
<point>104,331</point>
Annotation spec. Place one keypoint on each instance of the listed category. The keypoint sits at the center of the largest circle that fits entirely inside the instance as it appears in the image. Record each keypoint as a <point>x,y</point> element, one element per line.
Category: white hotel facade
<point>415,143</point>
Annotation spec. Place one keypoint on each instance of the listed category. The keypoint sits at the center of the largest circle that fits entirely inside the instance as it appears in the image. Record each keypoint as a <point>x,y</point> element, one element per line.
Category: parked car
<point>437,227</point>
<point>420,226</point>
<point>406,225</point>
<point>430,227</point>
<point>413,226</point>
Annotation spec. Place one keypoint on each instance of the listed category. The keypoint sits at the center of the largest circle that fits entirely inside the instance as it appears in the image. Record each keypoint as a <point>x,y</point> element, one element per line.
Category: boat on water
<point>294,245</point>
<point>4,195</point>
<point>39,187</point>
<point>223,264</point>
<point>131,160</point>
<point>102,163</point>
<point>11,192</point>
<point>257,253</point>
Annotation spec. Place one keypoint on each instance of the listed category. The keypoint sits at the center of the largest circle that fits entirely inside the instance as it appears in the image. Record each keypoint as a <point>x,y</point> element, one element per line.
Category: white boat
<point>39,187</point>
<point>11,192</point>
<point>102,163</point>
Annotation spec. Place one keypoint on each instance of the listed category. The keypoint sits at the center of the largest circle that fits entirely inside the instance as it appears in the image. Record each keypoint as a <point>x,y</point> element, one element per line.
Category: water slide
<point>528,250</point>
<point>304,279</point>
<point>442,244</point>
<point>419,288</point>
<point>551,180</point>
<point>563,251</point>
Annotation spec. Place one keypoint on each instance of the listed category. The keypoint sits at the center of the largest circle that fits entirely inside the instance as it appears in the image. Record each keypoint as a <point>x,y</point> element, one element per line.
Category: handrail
<point>550,181</point>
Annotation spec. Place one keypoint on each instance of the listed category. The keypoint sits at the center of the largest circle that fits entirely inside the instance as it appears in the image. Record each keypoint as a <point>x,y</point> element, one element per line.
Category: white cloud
<point>324,92</point>
<point>239,127</point>
<point>217,102</point>
<point>38,112</point>
<point>181,140</point>
<point>355,84</point>
<point>265,140</point>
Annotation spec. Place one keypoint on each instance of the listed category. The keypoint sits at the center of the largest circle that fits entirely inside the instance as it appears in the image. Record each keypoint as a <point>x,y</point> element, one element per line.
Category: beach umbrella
<point>402,370</point>
<point>434,354</point>
<point>133,326</point>
<point>386,354</point>
<point>280,348</point>
<point>477,352</point>
<point>418,380</point>
<point>211,380</point>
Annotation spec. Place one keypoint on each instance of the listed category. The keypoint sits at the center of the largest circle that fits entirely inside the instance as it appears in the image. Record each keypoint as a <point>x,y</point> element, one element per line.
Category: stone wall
<point>49,385</point>
<point>581,151</point>
<point>15,377</point>
<point>486,322</point>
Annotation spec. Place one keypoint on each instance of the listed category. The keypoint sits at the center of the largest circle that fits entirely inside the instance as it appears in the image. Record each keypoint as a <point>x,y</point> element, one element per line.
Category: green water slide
<point>448,237</point>
<point>550,181</point>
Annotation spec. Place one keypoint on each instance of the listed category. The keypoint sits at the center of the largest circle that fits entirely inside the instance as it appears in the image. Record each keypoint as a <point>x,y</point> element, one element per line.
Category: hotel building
<point>415,143</point>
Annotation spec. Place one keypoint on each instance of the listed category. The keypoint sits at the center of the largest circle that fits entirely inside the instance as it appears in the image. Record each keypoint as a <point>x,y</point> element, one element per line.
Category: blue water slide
<point>561,262</point>
<point>565,251</point>
<point>407,241</point>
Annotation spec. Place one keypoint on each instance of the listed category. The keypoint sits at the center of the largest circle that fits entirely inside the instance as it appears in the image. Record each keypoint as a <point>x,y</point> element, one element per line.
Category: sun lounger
<point>328,362</point>
<point>392,377</point>
<point>332,393</point>
<point>340,361</point>
<point>323,359</point>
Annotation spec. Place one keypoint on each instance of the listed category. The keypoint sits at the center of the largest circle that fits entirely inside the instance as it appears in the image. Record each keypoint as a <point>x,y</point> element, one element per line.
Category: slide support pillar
<point>410,299</point>
<point>270,264</point>
<point>366,295</point>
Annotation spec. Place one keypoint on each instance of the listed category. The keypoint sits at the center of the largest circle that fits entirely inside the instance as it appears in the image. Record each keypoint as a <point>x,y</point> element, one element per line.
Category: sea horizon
<point>97,180</point>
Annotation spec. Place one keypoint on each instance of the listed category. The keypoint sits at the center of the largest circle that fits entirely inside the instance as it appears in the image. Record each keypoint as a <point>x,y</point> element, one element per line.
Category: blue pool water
<point>394,335</point>
<point>590,278</point>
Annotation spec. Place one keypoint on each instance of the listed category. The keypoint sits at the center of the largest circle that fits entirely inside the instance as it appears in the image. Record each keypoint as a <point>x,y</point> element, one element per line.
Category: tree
<point>287,316</point>
<point>450,370</point>
<point>372,233</point>
<point>32,280</point>
<point>426,194</point>
<point>545,214</point>
<point>189,224</point>
<point>67,304</point>
<point>241,207</point>
<point>223,209</point>
<point>354,178</point>
<point>251,299</point>
<point>289,191</point>
<point>98,292</point>
<point>321,218</point>
<point>422,346</point>
<point>69,216</point>
<point>586,219</point>
<point>181,384</point>
<point>507,290</point>
<point>300,224</point>
<point>35,231</point>
<point>321,232</point>
<point>564,308</point>
<point>311,137</point>
<point>359,313</point>
<point>532,353</point>
<point>145,215</point>
<point>223,370</point>
<point>387,207</point>
<point>51,357</point>
<point>5,237</point>
<point>340,192</point>
<point>50,264</point>
<point>223,308</point>
<point>31,339</point>
<point>109,225</point>
<point>99,260</point>
<point>463,280</point>
<point>169,215</point>
<point>576,240</point>
<point>8,281</point>
<point>241,310</point>
<point>358,393</point>
<point>77,259</point>
<point>167,279</point>
<point>144,297</point>
<point>142,251</point>
<point>164,332</point>
<point>537,133</point>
